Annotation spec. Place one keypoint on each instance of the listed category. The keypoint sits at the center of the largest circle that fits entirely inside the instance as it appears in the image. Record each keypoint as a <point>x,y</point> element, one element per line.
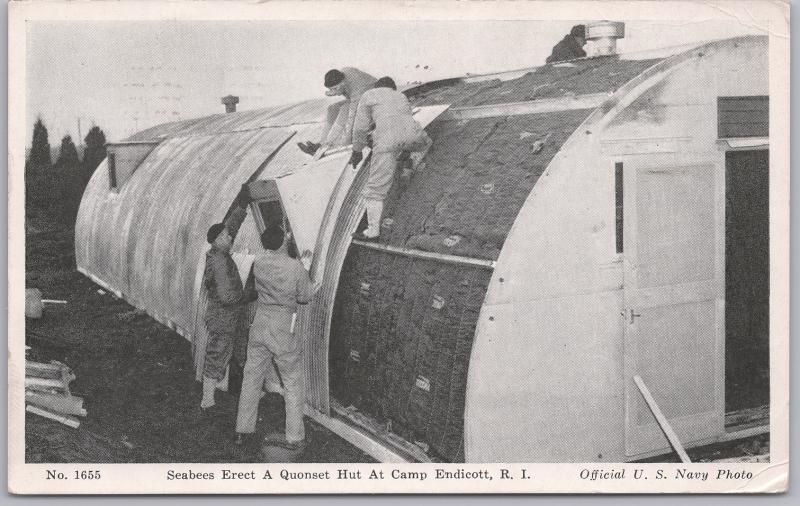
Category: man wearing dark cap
<point>350,83</point>
<point>570,47</point>
<point>226,312</point>
<point>282,284</point>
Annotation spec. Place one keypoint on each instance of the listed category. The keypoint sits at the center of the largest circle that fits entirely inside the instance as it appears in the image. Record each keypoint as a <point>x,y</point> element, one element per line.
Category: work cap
<point>385,82</point>
<point>214,231</point>
<point>578,31</point>
<point>333,77</point>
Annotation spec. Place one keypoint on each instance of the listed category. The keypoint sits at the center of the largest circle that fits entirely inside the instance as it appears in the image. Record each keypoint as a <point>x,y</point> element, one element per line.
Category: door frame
<point>649,439</point>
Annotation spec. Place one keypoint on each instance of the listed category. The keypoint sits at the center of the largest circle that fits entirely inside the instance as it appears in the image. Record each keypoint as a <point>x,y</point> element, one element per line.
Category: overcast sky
<point>127,76</point>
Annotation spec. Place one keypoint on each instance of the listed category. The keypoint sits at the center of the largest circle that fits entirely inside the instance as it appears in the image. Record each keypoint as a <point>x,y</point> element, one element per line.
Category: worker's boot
<point>374,212</point>
<point>309,148</point>
<point>209,387</point>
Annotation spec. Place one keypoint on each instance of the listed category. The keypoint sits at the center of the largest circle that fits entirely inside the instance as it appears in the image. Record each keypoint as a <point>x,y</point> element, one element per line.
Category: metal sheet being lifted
<point>305,195</point>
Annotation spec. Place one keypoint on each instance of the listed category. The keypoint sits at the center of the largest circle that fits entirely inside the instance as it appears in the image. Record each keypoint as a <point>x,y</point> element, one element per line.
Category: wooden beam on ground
<point>37,372</point>
<point>44,383</point>
<point>427,255</point>
<point>67,405</point>
<point>662,420</point>
<point>357,437</point>
<point>66,420</point>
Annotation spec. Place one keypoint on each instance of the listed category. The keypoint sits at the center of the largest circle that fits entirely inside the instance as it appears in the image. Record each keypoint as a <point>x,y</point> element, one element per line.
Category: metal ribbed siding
<point>146,241</point>
<point>332,246</point>
<point>311,111</point>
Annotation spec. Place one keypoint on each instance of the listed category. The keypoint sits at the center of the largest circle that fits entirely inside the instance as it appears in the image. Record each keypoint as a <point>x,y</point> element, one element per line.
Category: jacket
<point>567,49</point>
<point>227,301</point>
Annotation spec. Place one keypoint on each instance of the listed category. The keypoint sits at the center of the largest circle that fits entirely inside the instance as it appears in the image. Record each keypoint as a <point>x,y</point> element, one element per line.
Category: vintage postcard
<point>398,247</point>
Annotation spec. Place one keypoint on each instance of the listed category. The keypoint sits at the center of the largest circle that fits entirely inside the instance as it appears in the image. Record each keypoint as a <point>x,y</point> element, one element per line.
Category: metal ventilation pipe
<point>230,103</point>
<point>604,35</point>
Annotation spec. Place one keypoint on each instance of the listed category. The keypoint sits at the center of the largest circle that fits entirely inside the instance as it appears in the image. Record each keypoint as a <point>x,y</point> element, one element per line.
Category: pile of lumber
<point>47,393</point>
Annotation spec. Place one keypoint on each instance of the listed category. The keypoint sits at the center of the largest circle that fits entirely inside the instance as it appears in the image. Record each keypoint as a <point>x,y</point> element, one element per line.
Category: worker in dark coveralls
<point>226,313</point>
<point>350,83</point>
<point>282,284</point>
<point>570,47</point>
<point>386,115</point>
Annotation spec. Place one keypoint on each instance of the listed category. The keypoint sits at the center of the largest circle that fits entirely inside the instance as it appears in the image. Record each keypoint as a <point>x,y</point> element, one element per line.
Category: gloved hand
<point>355,159</point>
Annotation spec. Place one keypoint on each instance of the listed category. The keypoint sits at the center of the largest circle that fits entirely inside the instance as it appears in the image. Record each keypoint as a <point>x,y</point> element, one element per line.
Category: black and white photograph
<point>321,247</point>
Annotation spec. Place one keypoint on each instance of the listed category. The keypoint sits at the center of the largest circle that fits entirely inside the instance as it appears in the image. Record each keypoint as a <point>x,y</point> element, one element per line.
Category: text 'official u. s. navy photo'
<point>398,247</point>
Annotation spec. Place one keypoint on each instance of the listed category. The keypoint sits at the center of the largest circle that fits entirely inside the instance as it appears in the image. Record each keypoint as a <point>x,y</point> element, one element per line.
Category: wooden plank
<point>357,438</point>
<point>395,443</point>
<point>33,372</point>
<point>45,383</point>
<point>588,101</point>
<point>66,420</point>
<point>428,255</point>
<point>57,403</point>
<point>662,420</point>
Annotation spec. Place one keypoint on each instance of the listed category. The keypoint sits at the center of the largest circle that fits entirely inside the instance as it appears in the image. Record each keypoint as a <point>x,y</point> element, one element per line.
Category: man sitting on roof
<point>396,133</point>
<point>350,83</point>
<point>570,47</point>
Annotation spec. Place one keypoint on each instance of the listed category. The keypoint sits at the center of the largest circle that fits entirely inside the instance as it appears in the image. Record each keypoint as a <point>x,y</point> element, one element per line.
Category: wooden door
<point>674,299</point>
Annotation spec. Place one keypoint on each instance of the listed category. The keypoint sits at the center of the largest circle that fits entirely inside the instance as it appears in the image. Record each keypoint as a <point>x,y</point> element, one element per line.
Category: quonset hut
<point>573,226</point>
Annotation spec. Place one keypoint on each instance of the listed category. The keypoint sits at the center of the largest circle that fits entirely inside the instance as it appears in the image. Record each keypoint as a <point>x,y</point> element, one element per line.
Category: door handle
<point>634,315</point>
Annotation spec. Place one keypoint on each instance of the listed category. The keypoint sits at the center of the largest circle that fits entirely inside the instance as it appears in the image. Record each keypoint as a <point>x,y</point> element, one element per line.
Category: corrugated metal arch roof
<point>145,242</point>
<point>309,111</point>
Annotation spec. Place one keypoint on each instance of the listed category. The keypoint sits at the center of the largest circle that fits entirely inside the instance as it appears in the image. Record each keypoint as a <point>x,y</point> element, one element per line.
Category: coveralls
<point>567,49</point>
<point>395,131</point>
<point>341,115</point>
<point>282,283</point>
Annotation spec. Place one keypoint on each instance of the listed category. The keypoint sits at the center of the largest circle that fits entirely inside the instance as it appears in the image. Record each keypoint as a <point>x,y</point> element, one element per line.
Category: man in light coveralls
<point>282,284</point>
<point>386,114</point>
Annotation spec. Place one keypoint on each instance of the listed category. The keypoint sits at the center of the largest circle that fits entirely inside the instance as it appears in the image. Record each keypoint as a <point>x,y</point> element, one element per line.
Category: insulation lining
<point>466,194</point>
<point>402,328</point>
<point>591,75</point>
<point>400,344</point>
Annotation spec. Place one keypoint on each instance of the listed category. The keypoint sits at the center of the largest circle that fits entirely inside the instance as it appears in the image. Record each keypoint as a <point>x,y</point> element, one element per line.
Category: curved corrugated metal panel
<point>310,111</point>
<point>145,241</point>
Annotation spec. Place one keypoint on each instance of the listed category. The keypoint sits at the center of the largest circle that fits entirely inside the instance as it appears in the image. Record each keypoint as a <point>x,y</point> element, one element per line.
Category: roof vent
<point>604,35</point>
<point>230,103</point>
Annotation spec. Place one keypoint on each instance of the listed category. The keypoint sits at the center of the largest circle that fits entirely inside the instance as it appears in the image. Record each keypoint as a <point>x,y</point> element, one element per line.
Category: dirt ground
<point>137,380</point>
<point>136,377</point>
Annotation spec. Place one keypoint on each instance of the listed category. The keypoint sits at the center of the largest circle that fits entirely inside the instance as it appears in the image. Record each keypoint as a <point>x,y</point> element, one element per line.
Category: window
<point>112,171</point>
<point>271,214</point>
<point>268,210</point>
<point>742,117</point>
<point>618,198</point>
<point>124,158</point>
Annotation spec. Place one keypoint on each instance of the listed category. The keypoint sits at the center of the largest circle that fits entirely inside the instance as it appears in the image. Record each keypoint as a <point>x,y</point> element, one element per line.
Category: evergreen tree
<point>40,147</point>
<point>69,154</point>
<point>95,149</point>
